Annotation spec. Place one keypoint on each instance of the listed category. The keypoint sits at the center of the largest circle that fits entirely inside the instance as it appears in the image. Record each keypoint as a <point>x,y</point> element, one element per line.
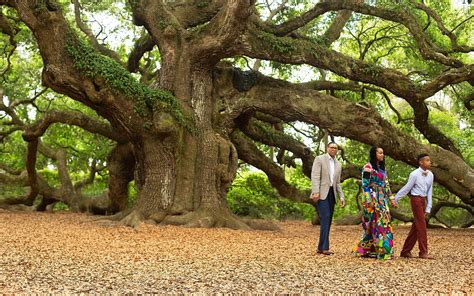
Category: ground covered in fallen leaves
<point>71,253</point>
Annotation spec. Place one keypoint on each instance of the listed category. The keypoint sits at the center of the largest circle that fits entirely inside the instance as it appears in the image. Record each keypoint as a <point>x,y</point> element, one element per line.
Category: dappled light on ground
<point>71,253</point>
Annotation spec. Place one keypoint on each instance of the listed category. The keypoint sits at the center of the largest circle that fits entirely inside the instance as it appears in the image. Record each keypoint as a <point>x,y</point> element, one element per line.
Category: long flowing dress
<point>377,238</point>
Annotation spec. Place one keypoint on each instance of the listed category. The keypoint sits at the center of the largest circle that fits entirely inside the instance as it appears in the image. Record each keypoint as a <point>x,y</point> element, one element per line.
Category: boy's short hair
<point>420,156</point>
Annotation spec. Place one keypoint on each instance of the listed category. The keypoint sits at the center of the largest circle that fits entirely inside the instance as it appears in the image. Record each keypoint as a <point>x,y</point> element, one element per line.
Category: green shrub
<point>252,195</point>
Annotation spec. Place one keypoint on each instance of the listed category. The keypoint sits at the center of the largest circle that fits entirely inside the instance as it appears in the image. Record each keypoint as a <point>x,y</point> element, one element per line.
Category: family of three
<point>377,237</point>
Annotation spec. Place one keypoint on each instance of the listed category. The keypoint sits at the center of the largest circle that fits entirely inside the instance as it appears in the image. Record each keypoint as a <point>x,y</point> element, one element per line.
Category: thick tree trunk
<point>183,177</point>
<point>121,165</point>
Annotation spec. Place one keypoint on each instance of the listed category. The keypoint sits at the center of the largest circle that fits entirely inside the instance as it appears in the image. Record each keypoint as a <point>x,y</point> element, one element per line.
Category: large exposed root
<point>204,219</point>
<point>133,219</point>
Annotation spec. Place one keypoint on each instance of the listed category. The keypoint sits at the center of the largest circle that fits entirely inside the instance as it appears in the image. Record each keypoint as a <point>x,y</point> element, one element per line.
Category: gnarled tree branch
<point>303,51</point>
<point>427,49</point>
<point>88,31</point>
<point>249,153</point>
<point>290,103</point>
<point>87,123</point>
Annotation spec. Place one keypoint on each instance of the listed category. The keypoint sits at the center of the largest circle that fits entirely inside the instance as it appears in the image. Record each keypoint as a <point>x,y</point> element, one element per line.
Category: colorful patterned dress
<point>377,239</point>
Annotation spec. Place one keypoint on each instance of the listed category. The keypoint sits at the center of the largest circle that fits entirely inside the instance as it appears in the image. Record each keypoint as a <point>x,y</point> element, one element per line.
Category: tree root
<point>133,219</point>
<point>17,207</point>
<point>202,219</point>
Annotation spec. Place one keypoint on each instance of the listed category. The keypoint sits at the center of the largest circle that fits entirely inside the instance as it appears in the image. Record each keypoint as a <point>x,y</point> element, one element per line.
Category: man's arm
<point>316,176</point>
<point>406,189</point>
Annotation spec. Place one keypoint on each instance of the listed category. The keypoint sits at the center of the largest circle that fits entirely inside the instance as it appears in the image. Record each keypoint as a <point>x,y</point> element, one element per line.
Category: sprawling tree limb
<point>87,123</point>
<point>29,100</point>
<point>352,86</point>
<point>351,171</point>
<point>31,169</point>
<point>296,51</point>
<point>193,13</point>
<point>21,178</point>
<point>88,31</point>
<point>357,218</point>
<point>224,29</point>
<point>257,131</point>
<point>332,85</point>
<point>11,31</point>
<point>444,203</point>
<point>342,118</point>
<point>90,179</point>
<point>9,110</point>
<point>7,29</point>
<point>53,36</point>
<point>439,22</point>
<point>368,45</point>
<point>337,26</point>
<point>427,49</point>
<point>468,101</point>
<point>142,45</point>
<point>298,22</point>
<point>390,105</point>
<point>249,153</point>
<point>277,10</point>
<point>59,155</point>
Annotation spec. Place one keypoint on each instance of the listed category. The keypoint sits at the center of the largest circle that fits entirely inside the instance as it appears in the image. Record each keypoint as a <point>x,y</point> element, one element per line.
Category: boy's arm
<point>406,189</point>
<point>429,203</point>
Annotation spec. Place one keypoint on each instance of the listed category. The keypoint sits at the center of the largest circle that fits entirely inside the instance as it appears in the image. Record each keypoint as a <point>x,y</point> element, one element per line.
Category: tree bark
<point>183,170</point>
<point>121,165</point>
<point>346,119</point>
<point>184,177</point>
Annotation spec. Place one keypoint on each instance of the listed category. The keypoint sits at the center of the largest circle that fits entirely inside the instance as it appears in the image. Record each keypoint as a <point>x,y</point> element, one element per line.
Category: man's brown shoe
<point>325,252</point>
<point>426,256</point>
<point>406,255</point>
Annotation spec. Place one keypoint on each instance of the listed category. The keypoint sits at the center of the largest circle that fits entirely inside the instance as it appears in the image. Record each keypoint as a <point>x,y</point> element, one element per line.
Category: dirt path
<point>69,253</point>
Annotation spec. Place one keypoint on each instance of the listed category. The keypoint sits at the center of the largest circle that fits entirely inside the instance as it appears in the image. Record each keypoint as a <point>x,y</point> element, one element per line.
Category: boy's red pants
<point>418,228</point>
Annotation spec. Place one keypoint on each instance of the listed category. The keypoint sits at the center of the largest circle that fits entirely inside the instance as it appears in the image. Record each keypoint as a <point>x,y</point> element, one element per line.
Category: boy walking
<point>420,189</point>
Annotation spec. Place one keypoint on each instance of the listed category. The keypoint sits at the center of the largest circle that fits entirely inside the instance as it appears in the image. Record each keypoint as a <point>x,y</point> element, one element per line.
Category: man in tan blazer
<point>325,184</point>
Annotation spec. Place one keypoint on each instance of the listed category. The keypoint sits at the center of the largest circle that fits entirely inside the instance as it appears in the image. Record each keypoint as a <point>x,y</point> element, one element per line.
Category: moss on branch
<point>92,64</point>
<point>282,45</point>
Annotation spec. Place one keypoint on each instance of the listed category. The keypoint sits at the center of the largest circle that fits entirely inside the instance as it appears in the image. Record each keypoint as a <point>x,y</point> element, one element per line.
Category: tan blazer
<point>320,181</point>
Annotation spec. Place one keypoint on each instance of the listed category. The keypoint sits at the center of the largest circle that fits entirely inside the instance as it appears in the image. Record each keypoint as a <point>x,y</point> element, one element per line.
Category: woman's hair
<point>373,159</point>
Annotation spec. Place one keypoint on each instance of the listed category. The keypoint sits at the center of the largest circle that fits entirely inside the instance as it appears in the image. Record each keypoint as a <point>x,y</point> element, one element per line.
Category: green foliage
<point>391,46</point>
<point>96,188</point>
<point>449,124</point>
<point>93,64</point>
<point>60,207</point>
<point>252,195</point>
<point>12,151</point>
<point>297,178</point>
<point>12,190</point>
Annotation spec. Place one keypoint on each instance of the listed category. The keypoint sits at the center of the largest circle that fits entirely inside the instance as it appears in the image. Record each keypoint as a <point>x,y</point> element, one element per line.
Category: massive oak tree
<point>181,129</point>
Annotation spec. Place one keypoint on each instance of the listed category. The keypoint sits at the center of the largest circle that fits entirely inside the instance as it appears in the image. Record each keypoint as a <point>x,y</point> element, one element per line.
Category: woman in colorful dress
<point>377,239</point>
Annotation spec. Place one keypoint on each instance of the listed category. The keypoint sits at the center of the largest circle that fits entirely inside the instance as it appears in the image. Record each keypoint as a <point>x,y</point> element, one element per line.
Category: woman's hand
<point>393,203</point>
